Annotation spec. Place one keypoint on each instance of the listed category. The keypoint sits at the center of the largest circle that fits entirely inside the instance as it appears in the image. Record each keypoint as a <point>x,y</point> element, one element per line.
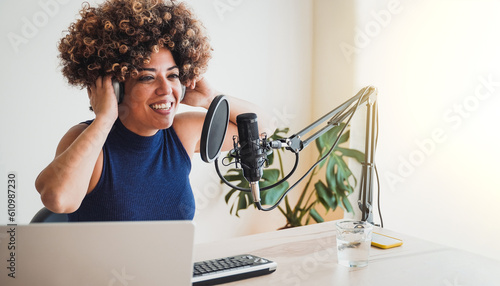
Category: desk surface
<point>308,256</point>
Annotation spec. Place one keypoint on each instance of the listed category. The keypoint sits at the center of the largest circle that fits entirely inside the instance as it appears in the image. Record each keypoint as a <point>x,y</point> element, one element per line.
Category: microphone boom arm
<point>296,144</point>
<point>335,117</point>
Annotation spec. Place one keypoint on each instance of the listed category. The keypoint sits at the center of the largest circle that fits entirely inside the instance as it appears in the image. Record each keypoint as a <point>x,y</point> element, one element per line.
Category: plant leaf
<point>331,173</point>
<point>342,176</point>
<point>233,170</point>
<point>232,178</point>
<point>326,196</point>
<point>322,193</point>
<point>322,163</point>
<point>347,204</point>
<point>349,174</point>
<point>316,216</point>
<point>344,137</point>
<point>234,175</point>
<point>358,155</point>
<point>306,213</point>
<point>271,196</point>
<point>242,203</point>
<point>325,141</point>
<point>269,177</point>
<point>228,195</point>
<point>276,135</point>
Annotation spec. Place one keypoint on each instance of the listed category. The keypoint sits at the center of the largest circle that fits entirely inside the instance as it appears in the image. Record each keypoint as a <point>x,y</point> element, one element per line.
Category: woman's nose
<point>164,87</point>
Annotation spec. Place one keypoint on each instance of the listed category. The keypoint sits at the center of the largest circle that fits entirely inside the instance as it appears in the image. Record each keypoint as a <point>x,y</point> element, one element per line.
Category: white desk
<point>307,256</point>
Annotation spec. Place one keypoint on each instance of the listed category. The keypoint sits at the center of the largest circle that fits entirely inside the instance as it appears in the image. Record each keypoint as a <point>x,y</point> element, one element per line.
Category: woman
<point>132,161</point>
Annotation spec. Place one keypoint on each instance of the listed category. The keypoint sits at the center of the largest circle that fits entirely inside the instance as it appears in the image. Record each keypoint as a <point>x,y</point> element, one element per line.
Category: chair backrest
<point>45,215</point>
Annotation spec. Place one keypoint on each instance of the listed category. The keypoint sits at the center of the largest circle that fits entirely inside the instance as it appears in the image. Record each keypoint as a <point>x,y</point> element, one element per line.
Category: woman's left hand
<point>199,93</point>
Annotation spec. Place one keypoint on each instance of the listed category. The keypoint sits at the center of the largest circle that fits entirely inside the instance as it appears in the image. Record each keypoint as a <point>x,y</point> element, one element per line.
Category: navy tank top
<point>143,178</point>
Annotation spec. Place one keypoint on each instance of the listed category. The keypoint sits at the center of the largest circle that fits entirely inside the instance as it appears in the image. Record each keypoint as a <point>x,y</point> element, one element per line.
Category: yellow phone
<point>384,241</point>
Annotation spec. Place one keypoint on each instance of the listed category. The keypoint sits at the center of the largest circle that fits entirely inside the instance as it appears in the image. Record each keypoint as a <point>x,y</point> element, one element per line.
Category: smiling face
<point>152,98</point>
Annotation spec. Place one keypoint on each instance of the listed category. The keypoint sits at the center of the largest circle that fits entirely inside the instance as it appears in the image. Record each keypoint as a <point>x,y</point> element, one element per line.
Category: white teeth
<point>164,106</point>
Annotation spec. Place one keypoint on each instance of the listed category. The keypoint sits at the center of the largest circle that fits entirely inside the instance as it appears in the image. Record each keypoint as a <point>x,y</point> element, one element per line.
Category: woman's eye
<point>174,75</point>
<point>146,78</point>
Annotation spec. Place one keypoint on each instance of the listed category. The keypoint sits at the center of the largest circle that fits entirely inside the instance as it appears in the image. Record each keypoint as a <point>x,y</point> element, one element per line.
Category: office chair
<point>45,215</point>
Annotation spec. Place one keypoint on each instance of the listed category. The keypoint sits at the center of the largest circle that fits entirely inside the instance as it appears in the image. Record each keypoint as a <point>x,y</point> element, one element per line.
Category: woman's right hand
<point>103,99</point>
<point>77,166</point>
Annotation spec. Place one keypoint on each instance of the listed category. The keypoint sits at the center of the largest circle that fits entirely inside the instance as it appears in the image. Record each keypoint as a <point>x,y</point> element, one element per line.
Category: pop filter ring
<point>212,121</point>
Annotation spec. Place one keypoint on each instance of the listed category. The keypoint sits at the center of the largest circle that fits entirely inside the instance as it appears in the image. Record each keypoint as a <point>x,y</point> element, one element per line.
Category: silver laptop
<point>104,253</point>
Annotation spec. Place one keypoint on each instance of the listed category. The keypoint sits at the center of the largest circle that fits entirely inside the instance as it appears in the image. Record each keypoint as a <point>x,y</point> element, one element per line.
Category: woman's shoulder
<point>71,135</point>
<point>188,126</point>
<point>86,122</point>
<point>187,122</point>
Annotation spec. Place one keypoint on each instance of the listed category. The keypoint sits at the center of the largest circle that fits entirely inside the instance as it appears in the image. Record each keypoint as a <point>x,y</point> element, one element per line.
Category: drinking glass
<point>353,242</point>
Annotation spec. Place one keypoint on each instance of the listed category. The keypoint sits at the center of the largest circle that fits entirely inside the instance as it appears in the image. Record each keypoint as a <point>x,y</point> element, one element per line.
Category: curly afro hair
<point>119,36</point>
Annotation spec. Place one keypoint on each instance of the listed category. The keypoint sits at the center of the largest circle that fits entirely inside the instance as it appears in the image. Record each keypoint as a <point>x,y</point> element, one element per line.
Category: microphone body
<point>251,154</point>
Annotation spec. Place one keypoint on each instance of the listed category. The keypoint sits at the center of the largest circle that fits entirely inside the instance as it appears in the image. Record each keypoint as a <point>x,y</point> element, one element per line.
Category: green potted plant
<point>319,195</point>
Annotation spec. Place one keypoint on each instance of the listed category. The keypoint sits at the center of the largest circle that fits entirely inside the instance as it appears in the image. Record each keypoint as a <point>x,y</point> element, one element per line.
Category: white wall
<point>262,53</point>
<point>36,105</point>
<point>438,146</point>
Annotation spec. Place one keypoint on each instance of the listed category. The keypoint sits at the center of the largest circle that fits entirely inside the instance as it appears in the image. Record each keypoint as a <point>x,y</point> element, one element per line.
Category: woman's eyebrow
<point>153,69</point>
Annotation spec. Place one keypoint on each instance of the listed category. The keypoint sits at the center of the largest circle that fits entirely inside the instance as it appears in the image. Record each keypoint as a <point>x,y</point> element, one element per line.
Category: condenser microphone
<point>251,154</point>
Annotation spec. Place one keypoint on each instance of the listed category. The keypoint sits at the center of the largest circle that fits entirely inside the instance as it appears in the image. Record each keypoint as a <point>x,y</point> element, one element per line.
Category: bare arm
<point>77,166</point>
<point>67,179</point>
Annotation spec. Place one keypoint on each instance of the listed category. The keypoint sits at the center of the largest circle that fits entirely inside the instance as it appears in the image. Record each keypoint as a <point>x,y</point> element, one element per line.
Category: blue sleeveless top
<point>143,178</point>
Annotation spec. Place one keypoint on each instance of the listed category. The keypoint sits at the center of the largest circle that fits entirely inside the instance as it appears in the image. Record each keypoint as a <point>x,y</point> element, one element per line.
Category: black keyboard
<point>231,268</point>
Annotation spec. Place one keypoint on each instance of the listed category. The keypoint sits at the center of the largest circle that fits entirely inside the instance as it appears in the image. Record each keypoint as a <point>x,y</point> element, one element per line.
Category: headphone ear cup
<point>183,93</point>
<point>119,90</point>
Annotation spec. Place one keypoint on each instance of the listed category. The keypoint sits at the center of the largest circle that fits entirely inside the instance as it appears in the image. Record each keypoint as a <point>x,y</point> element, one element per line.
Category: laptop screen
<point>100,253</point>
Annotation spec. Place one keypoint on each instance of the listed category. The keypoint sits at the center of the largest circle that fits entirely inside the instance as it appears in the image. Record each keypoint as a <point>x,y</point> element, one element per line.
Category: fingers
<point>191,84</point>
<point>102,81</point>
<point>106,80</point>
<point>93,87</point>
<point>99,88</point>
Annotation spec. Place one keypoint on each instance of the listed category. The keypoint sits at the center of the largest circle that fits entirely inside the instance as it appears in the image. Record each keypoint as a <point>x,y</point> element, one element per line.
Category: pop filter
<point>214,129</point>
